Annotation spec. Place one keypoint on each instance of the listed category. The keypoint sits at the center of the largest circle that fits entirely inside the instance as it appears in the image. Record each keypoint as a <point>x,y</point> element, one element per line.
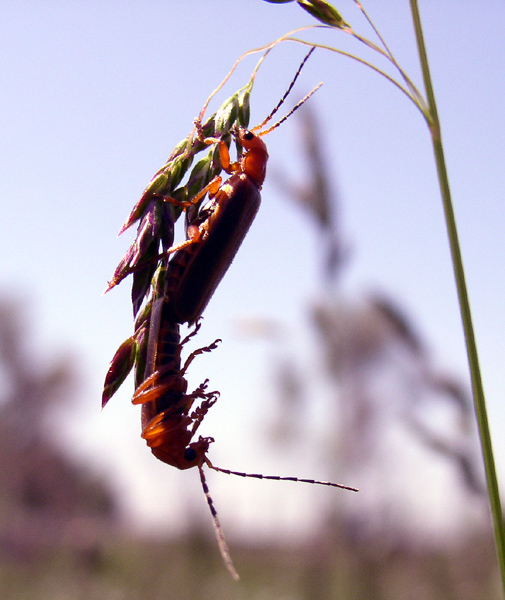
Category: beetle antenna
<point>296,107</point>
<point>281,101</point>
<point>223,546</point>
<point>278,478</point>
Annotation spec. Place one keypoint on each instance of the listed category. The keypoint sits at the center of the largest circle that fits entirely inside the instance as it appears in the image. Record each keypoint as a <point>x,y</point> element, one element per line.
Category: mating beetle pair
<point>187,278</point>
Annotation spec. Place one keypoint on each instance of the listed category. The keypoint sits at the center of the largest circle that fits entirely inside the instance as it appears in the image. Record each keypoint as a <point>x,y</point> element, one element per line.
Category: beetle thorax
<point>254,164</point>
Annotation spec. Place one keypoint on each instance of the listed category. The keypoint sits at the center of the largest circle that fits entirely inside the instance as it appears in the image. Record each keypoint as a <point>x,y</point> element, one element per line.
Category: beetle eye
<point>247,135</point>
<point>190,454</point>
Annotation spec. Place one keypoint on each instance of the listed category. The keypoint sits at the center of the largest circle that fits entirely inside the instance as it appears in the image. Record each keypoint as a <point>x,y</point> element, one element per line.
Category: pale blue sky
<point>94,96</point>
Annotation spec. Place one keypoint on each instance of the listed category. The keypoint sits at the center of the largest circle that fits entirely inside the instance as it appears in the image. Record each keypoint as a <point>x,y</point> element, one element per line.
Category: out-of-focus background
<point>342,354</point>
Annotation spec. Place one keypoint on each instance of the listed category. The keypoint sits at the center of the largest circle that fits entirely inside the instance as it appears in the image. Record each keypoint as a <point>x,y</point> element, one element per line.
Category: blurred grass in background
<point>62,535</point>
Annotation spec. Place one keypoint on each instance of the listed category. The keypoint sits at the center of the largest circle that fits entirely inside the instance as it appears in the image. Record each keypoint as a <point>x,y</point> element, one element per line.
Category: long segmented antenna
<point>223,546</point>
<point>278,478</point>
<point>281,101</point>
<point>221,542</point>
<point>302,101</point>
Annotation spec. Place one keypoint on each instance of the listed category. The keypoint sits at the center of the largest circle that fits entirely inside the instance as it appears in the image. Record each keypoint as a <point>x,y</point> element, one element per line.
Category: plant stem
<point>477,388</point>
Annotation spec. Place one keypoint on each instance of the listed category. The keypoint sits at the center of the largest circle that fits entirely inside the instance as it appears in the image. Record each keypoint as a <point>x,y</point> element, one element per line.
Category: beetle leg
<point>149,381</point>
<point>208,348</point>
<point>224,153</point>
<point>174,383</point>
<point>191,334</point>
<point>198,415</point>
<point>193,231</point>
<point>194,234</point>
<point>212,188</point>
<point>163,422</point>
<point>191,357</point>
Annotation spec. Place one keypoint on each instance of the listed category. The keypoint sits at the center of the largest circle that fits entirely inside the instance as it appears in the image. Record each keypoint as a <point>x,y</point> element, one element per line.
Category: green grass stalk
<point>471,346</point>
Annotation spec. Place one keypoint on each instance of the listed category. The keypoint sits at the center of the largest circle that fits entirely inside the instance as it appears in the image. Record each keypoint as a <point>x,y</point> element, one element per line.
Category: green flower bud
<point>119,368</point>
<point>226,116</point>
<point>200,175</point>
<point>324,12</point>
<point>244,110</point>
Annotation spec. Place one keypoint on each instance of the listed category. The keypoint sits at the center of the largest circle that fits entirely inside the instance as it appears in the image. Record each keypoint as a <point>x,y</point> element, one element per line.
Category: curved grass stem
<point>471,346</point>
